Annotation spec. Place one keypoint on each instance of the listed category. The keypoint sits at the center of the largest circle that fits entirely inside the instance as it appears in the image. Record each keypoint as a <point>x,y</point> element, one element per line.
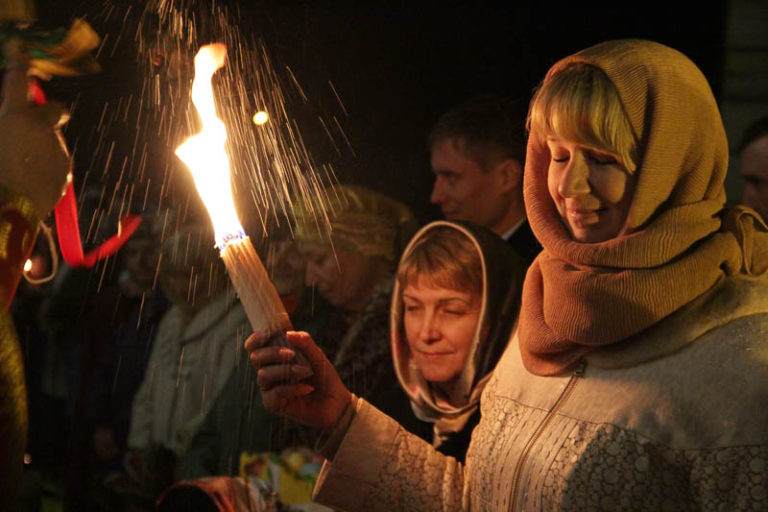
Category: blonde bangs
<point>443,258</point>
<point>579,103</point>
<point>434,277</point>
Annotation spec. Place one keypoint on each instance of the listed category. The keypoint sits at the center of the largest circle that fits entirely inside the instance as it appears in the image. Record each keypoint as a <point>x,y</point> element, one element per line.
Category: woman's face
<point>345,279</point>
<point>440,326</point>
<point>591,190</point>
<point>285,266</point>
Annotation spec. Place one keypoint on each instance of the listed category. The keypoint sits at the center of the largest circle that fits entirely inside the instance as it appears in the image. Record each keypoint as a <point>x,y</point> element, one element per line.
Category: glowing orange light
<point>260,117</point>
<point>204,153</point>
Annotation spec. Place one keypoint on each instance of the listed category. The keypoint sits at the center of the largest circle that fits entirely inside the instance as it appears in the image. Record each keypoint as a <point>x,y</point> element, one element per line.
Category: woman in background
<point>454,304</point>
<point>351,264</point>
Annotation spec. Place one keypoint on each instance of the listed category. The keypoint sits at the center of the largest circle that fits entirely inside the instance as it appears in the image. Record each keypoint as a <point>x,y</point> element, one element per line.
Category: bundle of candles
<point>206,157</point>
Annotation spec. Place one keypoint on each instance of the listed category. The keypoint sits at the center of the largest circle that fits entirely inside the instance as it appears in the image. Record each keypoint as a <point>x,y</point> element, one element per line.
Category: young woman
<point>638,375</point>
<point>454,304</point>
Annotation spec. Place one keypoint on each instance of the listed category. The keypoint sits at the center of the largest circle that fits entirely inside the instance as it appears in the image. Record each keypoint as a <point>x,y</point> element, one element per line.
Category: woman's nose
<point>429,331</point>
<point>574,181</point>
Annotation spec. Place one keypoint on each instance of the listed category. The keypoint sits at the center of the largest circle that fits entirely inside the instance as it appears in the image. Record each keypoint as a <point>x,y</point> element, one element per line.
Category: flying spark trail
<point>338,98</point>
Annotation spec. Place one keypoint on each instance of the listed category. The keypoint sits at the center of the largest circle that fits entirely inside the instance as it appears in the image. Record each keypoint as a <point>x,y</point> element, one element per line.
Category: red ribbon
<point>67,228</point>
<point>69,233</point>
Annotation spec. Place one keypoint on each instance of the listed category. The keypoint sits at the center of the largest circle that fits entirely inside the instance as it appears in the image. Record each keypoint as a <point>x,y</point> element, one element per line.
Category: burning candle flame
<point>205,154</point>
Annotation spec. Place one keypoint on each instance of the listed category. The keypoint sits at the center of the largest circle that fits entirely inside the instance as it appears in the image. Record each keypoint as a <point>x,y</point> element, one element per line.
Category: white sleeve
<point>381,466</point>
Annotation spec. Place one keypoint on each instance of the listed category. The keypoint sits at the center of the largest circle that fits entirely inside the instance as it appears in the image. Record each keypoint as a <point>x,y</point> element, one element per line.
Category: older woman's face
<point>591,190</point>
<point>345,279</point>
<point>285,266</point>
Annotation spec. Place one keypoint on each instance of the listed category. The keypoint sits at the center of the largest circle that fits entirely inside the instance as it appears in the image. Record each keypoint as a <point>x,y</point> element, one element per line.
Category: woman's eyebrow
<point>454,299</point>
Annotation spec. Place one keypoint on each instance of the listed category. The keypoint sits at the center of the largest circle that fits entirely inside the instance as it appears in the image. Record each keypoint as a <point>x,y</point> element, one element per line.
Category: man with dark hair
<point>477,154</point>
<point>753,152</point>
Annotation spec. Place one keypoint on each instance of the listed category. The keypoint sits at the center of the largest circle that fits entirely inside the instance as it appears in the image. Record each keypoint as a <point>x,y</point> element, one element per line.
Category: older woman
<point>638,376</point>
<point>351,262</point>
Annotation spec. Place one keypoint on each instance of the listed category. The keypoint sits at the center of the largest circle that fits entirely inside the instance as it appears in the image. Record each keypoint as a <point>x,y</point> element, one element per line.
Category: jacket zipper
<point>577,373</point>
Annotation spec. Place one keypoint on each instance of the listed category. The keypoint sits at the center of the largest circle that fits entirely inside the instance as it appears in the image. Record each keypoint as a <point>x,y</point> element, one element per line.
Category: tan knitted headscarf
<point>579,296</point>
<point>360,220</point>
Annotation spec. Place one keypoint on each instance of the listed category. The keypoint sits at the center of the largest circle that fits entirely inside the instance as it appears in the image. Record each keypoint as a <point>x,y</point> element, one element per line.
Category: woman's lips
<point>431,356</point>
<point>584,217</point>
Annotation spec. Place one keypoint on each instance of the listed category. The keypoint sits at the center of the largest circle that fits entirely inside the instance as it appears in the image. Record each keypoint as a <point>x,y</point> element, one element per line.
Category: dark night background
<point>397,67</point>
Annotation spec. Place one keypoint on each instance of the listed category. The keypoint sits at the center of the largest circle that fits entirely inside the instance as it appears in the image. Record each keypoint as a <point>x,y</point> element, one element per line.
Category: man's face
<point>463,189</point>
<point>140,259</point>
<point>754,171</point>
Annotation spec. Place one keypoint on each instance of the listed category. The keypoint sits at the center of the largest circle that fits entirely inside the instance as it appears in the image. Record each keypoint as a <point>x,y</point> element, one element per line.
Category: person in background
<point>114,362</point>
<point>353,271</point>
<point>237,423</point>
<point>78,314</point>
<point>454,305</point>
<point>34,168</point>
<point>285,266</point>
<point>193,355</point>
<point>753,158</point>
<point>477,152</point>
<point>346,306</point>
<point>638,374</point>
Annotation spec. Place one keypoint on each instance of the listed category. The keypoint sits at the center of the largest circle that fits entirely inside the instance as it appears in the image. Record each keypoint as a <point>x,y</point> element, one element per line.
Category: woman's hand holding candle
<point>311,395</point>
